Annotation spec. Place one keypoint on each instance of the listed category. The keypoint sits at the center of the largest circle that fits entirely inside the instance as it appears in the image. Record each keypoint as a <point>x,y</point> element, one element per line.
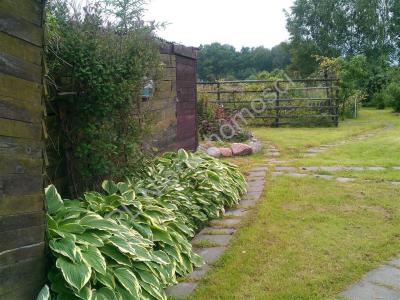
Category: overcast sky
<point>236,22</point>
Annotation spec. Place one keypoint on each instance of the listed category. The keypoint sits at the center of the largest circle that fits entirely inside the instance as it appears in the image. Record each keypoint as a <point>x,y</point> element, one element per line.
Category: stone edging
<point>219,233</point>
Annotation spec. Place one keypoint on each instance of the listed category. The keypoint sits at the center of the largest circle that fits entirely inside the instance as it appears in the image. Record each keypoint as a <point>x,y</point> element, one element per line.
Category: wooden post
<point>277,104</point>
<point>218,91</point>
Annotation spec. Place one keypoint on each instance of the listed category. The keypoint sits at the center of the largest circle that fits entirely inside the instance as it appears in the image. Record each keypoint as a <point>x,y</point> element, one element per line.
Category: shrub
<point>132,241</point>
<point>390,95</point>
<point>97,67</point>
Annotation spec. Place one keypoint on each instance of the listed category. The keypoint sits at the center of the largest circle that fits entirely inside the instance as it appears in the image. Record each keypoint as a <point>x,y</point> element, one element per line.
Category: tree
<point>335,28</point>
<point>218,61</point>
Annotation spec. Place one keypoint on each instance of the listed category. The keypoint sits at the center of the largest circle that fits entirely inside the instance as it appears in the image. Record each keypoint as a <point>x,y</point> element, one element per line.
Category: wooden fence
<point>22,263</point>
<point>308,102</point>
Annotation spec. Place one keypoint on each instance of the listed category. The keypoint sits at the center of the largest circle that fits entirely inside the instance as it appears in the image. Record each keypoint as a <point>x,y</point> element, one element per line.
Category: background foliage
<point>217,61</point>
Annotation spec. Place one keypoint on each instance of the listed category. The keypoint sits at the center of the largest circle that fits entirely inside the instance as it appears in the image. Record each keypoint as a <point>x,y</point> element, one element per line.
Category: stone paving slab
<point>345,179</point>
<point>247,203</point>
<point>219,240</point>
<point>276,174</point>
<point>291,169</point>
<point>370,291</point>
<point>198,273</point>
<point>214,230</point>
<point>225,223</point>
<point>255,174</point>
<point>381,283</point>
<point>239,212</point>
<point>182,290</point>
<point>210,255</point>
<point>297,175</point>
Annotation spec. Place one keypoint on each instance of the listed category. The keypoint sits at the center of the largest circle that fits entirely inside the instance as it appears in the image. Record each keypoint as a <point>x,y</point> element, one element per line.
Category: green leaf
<point>104,294</point>
<point>44,293</point>
<point>128,280</point>
<point>76,274</point>
<point>53,199</point>
<point>72,228</point>
<point>95,221</point>
<point>85,293</point>
<point>65,247</point>
<point>122,245</point>
<point>89,238</point>
<point>107,279</point>
<point>92,256</point>
<point>109,186</point>
<point>148,277</point>
<point>156,292</point>
<point>116,255</point>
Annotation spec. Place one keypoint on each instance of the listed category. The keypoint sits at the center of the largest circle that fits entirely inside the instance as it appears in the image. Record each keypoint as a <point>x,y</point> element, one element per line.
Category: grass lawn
<point>310,238</point>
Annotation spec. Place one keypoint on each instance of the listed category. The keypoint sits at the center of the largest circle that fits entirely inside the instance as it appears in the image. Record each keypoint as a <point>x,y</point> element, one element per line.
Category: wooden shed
<point>175,99</point>
<point>22,268</point>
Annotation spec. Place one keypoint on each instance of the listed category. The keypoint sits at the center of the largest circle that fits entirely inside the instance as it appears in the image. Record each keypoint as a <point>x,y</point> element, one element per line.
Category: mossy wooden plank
<point>20,148</point>
<point>19,89</point>
<point>16,278</point>
<point>18,221</point>
<point>22,237</point>
<point>14,165</point>
<point>21,203</point>
<point>20,110</point>
<point>26,9</point>
<point>20,49</point>
<point>21,28</point>
<point>19,254</point>
<point>21,69</point>
<point>20,129</point>
<point>20,185</point>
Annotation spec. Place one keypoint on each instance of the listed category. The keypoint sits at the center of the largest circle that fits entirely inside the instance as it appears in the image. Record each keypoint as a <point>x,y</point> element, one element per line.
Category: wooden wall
<point>21,186</point>
<point>173,106</point>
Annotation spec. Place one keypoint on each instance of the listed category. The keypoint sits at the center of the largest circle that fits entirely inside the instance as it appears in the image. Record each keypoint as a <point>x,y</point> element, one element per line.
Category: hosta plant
<point>131,241</point>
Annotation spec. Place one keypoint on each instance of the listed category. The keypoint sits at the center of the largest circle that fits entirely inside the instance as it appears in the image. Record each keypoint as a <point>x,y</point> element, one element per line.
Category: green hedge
<point>133,241</point>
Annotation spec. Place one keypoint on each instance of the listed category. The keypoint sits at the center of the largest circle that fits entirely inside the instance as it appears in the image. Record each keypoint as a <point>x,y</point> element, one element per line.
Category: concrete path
<point>212,241</point>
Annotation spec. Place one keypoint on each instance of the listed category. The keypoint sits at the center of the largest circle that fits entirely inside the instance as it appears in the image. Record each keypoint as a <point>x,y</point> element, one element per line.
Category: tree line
<point>361,37</point>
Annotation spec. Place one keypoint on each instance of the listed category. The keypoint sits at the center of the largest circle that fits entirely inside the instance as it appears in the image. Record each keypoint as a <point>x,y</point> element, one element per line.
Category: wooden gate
<point>186,111</point>
<point>309,102</point>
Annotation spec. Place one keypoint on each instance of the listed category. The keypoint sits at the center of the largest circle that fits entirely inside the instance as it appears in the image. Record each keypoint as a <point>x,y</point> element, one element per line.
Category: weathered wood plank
<point>21,203</point>
<point>16,67</point>
<point>20,129</point>
<point>20,49</point>
<point>12,222</point>
<point>19,185</point>
<point>25,9</point>
<point>20,148</point>
<point>25,166</point>
<point>20,28</point>
<point>20,89</point>
<point>17,238</point>
<point>23,253</point>
<point>20,110</point>
<point>15,278</point>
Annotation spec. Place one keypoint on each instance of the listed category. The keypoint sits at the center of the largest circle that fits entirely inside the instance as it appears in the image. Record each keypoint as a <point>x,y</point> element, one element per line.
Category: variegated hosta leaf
<point>76,274</point>
<point>44,294</point>
<point>53,199</point>
<point>129,281</point>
